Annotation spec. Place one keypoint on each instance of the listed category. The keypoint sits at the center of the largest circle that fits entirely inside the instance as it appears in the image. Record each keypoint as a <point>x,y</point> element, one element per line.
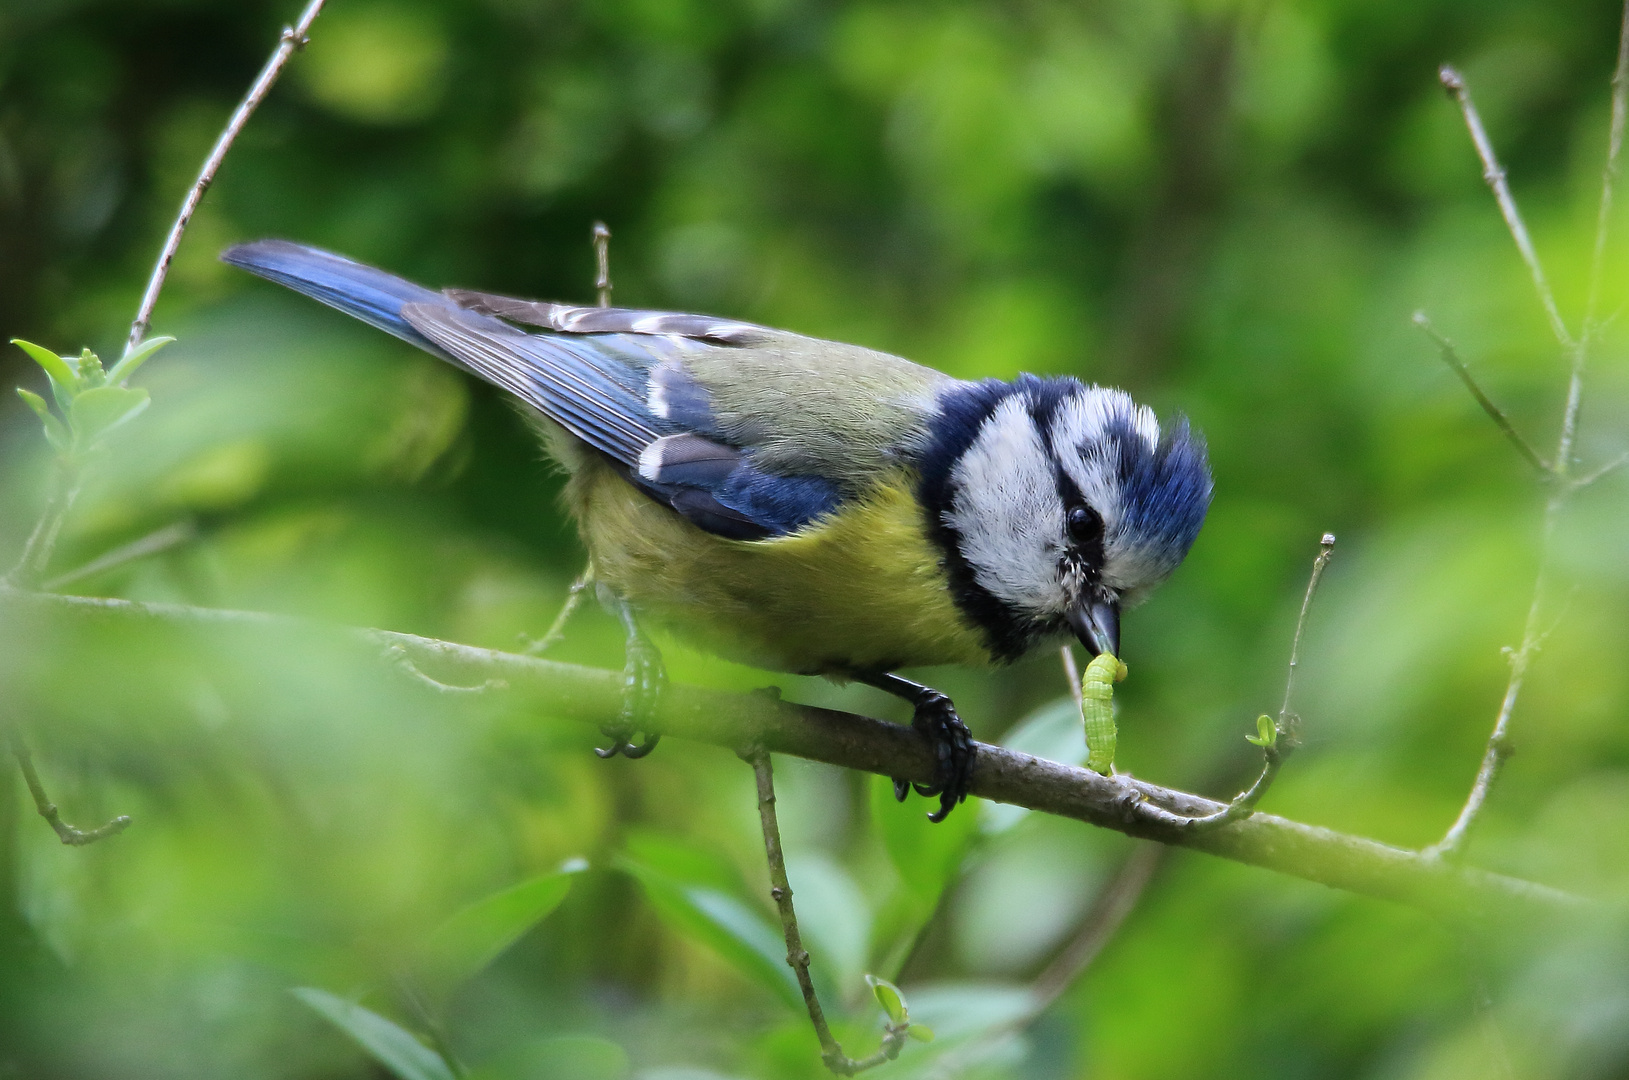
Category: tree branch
<point>589,695</point>
<point>293,39</point>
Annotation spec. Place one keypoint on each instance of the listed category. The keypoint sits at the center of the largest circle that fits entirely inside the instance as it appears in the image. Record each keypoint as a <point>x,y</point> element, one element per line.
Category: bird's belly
<point>860,590</point>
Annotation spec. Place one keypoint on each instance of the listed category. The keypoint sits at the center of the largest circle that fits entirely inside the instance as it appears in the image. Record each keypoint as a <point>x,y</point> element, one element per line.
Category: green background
<point>1229,209</point>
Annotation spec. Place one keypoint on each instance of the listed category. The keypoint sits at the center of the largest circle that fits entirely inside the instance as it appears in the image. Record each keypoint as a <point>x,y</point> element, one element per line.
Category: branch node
<point>48,810</point>
<point>1494,174</point>
<point>397,656</point>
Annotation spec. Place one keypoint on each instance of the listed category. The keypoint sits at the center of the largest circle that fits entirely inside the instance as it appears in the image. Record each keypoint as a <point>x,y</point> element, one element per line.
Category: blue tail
<point>369,294</point>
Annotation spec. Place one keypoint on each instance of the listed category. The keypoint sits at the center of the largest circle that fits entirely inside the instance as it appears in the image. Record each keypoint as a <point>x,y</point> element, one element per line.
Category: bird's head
<point>1057,505</point>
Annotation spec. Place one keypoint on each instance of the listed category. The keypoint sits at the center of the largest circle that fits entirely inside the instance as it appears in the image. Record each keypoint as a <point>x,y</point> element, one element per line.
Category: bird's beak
<point>1097,624</point>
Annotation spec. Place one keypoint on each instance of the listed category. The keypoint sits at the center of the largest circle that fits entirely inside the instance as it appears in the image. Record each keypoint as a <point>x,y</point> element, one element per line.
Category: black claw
<point>902,789</point>
<point>952,745</point>
<point>631,751</point>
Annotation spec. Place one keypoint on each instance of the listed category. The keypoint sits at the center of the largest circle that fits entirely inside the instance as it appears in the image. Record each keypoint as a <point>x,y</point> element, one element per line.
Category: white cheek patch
<point>1007,512</point>
<point>1089,457</point>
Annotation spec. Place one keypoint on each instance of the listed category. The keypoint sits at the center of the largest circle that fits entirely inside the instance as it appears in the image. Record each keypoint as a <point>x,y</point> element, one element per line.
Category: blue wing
<point>609,376</point>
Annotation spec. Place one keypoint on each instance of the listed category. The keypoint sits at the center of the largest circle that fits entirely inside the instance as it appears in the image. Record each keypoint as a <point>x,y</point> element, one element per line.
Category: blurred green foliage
<point>1229,208</point>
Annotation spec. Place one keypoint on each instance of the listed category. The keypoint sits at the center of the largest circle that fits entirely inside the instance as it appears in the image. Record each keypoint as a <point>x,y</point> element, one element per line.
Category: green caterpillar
<point>1097,709</point>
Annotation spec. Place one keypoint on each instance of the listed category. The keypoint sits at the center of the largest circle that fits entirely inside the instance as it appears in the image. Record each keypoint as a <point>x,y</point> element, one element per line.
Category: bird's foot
<point>952,746</point>
<point>643,680</point>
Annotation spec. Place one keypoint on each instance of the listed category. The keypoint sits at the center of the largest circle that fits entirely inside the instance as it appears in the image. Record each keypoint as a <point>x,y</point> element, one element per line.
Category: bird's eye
<point>1085,526</point>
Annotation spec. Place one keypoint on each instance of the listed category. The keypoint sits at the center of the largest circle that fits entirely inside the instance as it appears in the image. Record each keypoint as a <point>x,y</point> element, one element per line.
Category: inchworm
<point>1097,708</point>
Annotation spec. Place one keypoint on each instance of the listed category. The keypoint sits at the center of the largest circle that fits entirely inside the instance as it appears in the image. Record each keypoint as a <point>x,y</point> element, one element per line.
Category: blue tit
<point>809,506</point>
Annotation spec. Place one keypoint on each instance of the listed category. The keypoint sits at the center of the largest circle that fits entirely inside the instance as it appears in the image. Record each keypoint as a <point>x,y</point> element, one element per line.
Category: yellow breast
<point>860,590</point>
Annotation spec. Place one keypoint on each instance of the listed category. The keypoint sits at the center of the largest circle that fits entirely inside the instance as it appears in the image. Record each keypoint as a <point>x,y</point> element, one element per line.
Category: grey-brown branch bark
<point>738,721</point>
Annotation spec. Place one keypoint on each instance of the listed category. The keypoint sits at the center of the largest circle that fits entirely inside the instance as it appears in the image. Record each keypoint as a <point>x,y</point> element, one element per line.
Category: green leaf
<point>722,922</point>
<point>473,937</point>
<point>920,1032</point>
<point>138,356</point>
<point>1266,732</point>
<point>55,433</point>
<point>98,411</point>
<point>391,1045</point>
<point>889,997</point>
<point>64,383</point>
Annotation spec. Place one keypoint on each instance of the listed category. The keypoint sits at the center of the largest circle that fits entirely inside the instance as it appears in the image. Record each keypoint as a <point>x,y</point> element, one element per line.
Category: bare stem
<point>1108,913</point>
<point>797,957</point>
<point>1284,741</point>
<point>42,541</point>
<point>1494,174</point>
<point>1609,173</point>
<point>557,629</point>
<point>1499,746</point>
<point>1605,470</point>
<point>1450,356</point>
<point>1071,671</point>
<point>292,40</point>
<point>602,263</point>
<point>154,542</point>
<point>48,809</point>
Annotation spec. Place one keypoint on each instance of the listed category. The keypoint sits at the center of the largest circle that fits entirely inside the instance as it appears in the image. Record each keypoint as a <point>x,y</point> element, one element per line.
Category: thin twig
<point>1450,356</point>
<point>292,40</point>
<point>1605,470</point>
<point>42,539</point>
<point>154,542</point>
<point>1609,172</point>
<point>1494,174</point>
<point>1284,731</point>
<point>1071,671</point>
<point>602,263</point>
<point>797,957</point>
<point>1108,913</point>
<point>557,629</point>
<point>48,810</point>
<point>1499,746</point>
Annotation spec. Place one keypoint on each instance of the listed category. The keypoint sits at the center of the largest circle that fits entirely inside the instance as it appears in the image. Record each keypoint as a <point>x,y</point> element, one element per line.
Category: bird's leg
<point>643,679</point>
<point>949,738</point>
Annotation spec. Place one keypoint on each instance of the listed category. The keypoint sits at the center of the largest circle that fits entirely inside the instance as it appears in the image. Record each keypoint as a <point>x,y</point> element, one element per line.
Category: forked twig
<point>48,810</point>
<point>1499,747</point>
<point>292,40</point>
<point>797,957</point>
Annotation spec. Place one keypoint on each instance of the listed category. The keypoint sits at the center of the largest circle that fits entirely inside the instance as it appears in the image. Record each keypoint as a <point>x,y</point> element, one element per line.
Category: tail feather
<point>364,292</point>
